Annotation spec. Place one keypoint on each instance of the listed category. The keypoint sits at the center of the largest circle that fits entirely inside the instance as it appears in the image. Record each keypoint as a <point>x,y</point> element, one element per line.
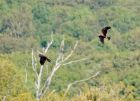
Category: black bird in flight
<point>43,59</point>
<point>104,33</point>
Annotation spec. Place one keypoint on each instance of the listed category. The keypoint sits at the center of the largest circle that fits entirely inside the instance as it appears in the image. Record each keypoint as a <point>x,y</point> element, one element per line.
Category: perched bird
<point>104,33</point>
<point>43,59</point>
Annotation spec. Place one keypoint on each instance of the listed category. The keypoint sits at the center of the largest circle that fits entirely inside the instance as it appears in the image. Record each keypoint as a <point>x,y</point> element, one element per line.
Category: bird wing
<point>48,59</point>
<point>44,58</point>
<point>101,38</point>
<point>105,29</point>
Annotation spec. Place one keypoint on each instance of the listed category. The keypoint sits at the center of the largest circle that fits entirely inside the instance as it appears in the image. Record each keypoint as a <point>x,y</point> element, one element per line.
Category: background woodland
<point>28,24</point>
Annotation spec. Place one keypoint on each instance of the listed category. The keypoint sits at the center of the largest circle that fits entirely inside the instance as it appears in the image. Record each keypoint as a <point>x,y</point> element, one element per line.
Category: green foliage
<point>11,80</point>
<point>43,44</point>
<point>11,44</point>
<point>27,24</point>
<point>104,93</point>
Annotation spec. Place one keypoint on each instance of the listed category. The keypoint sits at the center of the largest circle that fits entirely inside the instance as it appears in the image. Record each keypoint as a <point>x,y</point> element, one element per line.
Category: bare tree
<point>60,60</point>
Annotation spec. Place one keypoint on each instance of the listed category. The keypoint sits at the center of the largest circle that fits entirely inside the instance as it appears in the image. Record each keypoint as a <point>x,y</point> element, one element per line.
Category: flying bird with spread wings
<point>43,59</point>
<point>104,34</point>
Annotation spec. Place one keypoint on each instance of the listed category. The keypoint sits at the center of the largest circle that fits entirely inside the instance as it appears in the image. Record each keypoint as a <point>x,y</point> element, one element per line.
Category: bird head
<point>108,27</point>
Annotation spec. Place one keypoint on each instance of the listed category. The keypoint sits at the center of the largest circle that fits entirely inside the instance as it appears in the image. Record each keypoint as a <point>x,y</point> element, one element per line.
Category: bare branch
<point>75,61</point>
<point>39,82</point>
<point>49,80</point>
<point>4,98</point>
<point>47,69</point>
<point>79,81</point>
<point>34,64</point>
<point>49,44</point>
<point>61,52</point>
<point>51,93</point>
<point>71,51</point>
<point>26,74</point>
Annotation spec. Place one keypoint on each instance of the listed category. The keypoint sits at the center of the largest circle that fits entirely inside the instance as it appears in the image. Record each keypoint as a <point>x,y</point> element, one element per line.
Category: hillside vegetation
<point>28,24</point>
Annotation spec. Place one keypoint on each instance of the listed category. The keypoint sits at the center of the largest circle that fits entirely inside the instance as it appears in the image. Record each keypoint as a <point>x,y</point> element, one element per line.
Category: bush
<point>11,82</point>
